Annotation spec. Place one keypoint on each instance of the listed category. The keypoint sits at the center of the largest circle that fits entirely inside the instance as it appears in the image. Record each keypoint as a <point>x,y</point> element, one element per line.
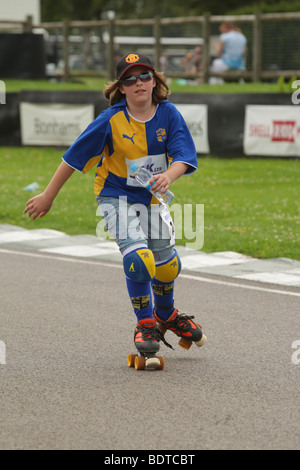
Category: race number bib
<point>154,163</point>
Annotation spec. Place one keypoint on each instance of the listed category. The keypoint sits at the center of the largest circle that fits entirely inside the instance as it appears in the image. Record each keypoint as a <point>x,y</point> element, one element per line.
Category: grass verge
<point>176,86</point>
<point>251,205</point>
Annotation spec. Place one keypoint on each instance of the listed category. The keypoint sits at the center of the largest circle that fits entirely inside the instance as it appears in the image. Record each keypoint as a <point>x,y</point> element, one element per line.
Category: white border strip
<point>120,266</point>
<point>242,286</point>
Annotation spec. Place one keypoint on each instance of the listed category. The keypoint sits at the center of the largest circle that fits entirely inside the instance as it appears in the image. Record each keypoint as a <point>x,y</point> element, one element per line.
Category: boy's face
<point>141,91</point>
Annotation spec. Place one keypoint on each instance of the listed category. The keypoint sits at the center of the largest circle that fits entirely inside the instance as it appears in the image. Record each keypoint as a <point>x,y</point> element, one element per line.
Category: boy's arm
<point>41,204</point>
<point>163,180</point>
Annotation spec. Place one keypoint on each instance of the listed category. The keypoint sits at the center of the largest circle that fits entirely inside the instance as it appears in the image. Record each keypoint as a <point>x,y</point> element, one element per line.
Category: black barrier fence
<point>225,114</point>
<point>22,56</point>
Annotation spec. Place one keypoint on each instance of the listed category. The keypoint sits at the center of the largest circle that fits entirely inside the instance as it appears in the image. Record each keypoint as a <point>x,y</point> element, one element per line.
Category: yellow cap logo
<point>132,58</point>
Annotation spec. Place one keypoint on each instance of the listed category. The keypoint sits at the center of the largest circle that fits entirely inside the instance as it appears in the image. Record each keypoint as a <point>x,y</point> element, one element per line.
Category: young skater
<point>140,127</point>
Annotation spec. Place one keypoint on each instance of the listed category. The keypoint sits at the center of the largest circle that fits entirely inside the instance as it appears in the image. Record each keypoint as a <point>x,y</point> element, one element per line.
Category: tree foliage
<point>96,9</point>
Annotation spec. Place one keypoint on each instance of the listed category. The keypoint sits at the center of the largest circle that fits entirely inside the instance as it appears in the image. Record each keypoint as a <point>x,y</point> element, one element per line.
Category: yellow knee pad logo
<point>148,259</point>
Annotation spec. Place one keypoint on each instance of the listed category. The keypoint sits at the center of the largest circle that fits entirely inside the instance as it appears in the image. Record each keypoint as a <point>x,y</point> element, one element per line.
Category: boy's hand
<point>162,182</point>
<point>41,204</point>
<point>38,206</point>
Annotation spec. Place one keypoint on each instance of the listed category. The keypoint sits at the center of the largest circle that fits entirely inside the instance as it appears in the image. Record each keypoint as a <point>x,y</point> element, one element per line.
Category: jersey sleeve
<point>87,150</point>
<point>180,146</point>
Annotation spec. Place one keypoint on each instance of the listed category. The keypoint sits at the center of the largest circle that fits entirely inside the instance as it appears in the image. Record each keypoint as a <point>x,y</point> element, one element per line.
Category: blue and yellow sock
<point>163,298</point>
<point>141,298</point>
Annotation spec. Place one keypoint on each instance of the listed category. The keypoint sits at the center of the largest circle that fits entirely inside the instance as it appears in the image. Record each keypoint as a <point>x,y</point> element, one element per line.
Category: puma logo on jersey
<point>125,136</point>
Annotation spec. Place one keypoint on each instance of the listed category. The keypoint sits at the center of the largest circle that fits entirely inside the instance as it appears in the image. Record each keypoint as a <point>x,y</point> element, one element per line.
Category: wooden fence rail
<point>206,21</point>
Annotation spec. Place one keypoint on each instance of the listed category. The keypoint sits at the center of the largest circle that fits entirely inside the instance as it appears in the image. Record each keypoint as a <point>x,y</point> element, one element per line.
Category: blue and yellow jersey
<point>114,141</point>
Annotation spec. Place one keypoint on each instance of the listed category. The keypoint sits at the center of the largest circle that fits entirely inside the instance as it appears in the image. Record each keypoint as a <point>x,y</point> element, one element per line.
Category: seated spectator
<point>230,51</point>
<point>193,62</point>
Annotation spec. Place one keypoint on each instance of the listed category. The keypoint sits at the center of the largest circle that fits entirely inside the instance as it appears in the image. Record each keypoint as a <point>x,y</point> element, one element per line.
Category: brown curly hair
<point>160,93</point>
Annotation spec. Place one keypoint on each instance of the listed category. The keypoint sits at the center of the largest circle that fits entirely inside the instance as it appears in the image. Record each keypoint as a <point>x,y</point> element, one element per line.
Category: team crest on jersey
<point>132,58</point>
<point>161,135</point>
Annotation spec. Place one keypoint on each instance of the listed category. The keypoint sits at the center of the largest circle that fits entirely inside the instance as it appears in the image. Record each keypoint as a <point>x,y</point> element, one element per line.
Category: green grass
<point>80,84</point>
<point>74,208</point>
<point>98,84</point>
<point>251,205</point>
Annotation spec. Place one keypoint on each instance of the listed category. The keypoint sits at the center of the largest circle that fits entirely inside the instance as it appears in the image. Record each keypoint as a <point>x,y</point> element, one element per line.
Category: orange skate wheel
<point>162,362</point>
<point>185,343</point>
<point>161,328</point>
<point>139,363</point>
<point>131,359</point>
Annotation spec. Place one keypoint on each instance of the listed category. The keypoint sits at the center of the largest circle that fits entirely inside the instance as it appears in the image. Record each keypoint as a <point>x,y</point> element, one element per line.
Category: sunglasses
<point>144,77</point>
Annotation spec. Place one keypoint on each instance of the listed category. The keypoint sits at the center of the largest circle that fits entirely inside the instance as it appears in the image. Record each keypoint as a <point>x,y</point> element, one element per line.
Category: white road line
<point>60,258</point>
<point>283,278</point>
<point>182,275</point>
<point>242,286</point>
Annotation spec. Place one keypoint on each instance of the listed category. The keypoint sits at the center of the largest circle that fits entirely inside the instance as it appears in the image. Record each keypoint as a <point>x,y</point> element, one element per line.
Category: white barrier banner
<point>53,124</point>
<point>195,115</point>
<point>272,130</point>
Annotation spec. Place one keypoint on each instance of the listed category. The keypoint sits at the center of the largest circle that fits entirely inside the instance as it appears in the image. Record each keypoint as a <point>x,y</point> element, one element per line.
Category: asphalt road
<point>66,329</point>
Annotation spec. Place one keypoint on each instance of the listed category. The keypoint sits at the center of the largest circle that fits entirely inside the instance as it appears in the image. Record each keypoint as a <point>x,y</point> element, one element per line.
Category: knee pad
<point>139,265</point>
<point>169,270</point>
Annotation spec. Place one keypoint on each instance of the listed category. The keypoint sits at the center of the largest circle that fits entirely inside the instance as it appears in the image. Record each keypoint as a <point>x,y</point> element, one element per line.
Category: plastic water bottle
<point>143,176</point>
<point>32,187</point>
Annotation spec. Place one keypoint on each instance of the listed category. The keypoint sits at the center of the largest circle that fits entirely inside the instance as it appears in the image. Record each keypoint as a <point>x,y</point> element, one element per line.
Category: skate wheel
<point>201,342</point>
<point>162,362</point>
<point>161,328</point>
<point>131,359</point>
<point>185,343</point>
<point>139,362</point>
<point>153,363</point>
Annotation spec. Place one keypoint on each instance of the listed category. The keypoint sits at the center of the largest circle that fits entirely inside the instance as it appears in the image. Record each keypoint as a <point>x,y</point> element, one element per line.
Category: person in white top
<point>230,51</point>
